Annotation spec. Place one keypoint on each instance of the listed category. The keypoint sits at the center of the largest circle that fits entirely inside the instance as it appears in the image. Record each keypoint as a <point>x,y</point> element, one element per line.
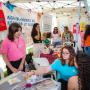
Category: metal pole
<point>77,27</point>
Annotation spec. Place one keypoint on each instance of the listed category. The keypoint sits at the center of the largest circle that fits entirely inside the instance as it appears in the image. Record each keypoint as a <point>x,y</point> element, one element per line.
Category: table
<point>4,85</point>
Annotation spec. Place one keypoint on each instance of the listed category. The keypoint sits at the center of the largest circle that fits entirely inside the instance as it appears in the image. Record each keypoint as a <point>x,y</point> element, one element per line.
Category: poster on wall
<point>24,17</point>
<point>47,23</point>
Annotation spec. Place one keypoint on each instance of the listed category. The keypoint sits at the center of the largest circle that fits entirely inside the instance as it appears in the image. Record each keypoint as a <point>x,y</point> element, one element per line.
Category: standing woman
<point>14,49</point>
<point>87,40</point>
<point>36,36</point>
<point>67,35</point>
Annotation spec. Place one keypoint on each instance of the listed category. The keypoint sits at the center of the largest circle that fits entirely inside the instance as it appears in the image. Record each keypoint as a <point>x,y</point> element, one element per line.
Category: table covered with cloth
<point>21,84</point>
<point>50,57</point>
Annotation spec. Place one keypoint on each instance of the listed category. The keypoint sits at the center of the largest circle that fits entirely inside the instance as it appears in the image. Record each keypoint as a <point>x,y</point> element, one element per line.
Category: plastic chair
<point>41,62</point>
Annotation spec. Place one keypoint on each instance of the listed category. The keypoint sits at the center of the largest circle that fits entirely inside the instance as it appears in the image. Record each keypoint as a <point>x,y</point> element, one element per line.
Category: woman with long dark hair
<point>36,36</point>
<point>14,49</point>
<point>65,66</point>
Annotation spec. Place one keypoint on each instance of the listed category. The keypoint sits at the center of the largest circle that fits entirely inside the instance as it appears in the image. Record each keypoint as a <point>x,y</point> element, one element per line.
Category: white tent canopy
<point>60,7</point>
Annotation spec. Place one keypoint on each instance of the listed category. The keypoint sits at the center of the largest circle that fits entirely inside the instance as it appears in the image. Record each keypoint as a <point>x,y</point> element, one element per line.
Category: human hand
<point>14,70</point>
<point>28,74</point>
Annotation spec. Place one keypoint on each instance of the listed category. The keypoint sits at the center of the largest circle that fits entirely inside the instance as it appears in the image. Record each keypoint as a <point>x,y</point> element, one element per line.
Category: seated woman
<point>56,37</point>
<point>65,66</point>
<point>67,35</point>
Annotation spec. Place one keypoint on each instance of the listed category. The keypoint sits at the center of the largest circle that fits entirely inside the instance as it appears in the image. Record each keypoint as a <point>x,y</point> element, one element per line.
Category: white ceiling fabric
<point>65,7</point>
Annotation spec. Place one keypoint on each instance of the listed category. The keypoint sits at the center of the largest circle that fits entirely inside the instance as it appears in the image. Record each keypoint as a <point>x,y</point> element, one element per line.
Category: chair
<point>41,62</point>
<point>1,73</point>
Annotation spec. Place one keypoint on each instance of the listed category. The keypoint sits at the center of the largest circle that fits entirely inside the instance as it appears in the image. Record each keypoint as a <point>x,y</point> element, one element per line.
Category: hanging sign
<point>2,21</point>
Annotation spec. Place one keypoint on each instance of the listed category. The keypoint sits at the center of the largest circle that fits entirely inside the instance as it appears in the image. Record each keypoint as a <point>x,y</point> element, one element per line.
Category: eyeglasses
<point>65,53</point>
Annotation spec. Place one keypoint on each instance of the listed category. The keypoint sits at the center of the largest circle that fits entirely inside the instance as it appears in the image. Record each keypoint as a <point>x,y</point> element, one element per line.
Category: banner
<point>2,21</point>
<point>74,28</point>
<point>47,23</point>
<point>24,17</point>
<point>82,26</point>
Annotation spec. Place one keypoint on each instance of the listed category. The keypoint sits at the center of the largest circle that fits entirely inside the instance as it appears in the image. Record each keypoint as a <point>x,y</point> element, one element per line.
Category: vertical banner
<point>82,26</point>
<point>22,16</point>
<point>74,28</point>
<point>47,23</point>
<point>2,21</point>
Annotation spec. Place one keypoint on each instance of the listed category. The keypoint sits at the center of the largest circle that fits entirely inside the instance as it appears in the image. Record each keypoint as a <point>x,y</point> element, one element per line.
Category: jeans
<point>63,84</point>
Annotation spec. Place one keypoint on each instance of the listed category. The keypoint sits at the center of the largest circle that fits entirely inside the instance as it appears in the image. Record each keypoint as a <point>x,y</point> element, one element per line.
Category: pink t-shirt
<point>0,51</point>
<point>14,49</point>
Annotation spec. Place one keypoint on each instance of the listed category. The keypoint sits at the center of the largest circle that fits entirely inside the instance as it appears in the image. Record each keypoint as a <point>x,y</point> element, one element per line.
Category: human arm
<point>14,70</point>
<point>22,64</point>
<point>38,36</point>
<point>43,70</point>
<point>75,63</point>
<point>39,71</point>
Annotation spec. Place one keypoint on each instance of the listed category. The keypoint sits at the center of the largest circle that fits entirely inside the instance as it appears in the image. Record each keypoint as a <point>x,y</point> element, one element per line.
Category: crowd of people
<point>13,50</point>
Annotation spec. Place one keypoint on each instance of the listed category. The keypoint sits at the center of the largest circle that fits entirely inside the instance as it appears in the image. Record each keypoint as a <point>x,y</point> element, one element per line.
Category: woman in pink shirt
<point>14,49</point>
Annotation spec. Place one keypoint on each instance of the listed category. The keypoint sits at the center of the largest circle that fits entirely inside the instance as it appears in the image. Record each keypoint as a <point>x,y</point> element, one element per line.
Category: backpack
<point>29,61</point>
